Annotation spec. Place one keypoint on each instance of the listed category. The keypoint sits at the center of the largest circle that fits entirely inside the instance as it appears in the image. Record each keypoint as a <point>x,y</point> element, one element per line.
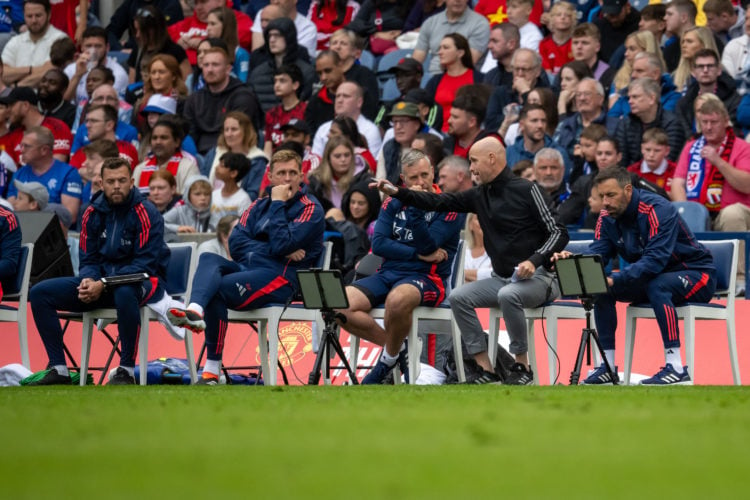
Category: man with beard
<point>504,40</point>
<point>121,214</point>
<point>532,125</point>
<point>51,103</point>
<point>465,124</point>
<point>549,172</point>
<point>24,114</point>
<point>667,267</point>
<point>101,121</point>
<point>26,56</point>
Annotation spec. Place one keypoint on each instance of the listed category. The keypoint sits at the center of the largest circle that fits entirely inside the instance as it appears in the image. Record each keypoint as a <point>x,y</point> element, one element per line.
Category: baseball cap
<point>162,104</point>
<point>296,124</point>
<point>36,190</point>
<point>408,64</point>
<point>20,94</point>
<point>403,108</point>
<point>613,6</point>
<point>419,96</point>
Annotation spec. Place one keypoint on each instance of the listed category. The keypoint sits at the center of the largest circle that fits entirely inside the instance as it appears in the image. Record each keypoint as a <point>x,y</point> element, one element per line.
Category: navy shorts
<point>377,286</point>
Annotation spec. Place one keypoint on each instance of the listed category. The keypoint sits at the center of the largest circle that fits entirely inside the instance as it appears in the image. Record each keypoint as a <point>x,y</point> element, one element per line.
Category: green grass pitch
<point>402,442</point>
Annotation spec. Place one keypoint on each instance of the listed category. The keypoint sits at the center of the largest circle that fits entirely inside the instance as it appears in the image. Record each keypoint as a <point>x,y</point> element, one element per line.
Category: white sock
<point>387,358</point>
<point>212,366</point>
<point>61,370</point>
<point>672,357</point>
<point>610,355</point>
<point>195,308</point>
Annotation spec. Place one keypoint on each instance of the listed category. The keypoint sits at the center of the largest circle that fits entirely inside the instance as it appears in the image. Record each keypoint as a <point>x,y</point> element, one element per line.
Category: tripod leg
<point>340,351</point>
<point>576,373</point>
<point>612,373</point>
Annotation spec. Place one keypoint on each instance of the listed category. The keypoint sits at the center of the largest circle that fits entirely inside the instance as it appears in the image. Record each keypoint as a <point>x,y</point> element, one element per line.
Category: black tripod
<point>586,335</point>
<point>330,342</point>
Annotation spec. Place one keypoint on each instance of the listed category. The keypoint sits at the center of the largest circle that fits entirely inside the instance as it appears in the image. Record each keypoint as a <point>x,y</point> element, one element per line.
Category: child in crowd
<point>524,169</point>
<point>287,84</point>
<point>555,49</point>
<point>584,153</point>
<point>518,14</point>
<point>220,244</point>
<point>655,167</point>
<point>193,215</point>
<point>162,190</point>
<point>230,199</point>
<point>595,206</point>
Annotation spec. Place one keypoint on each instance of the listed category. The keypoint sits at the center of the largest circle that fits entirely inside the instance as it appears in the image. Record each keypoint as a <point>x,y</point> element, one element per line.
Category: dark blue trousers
<point>222,284</point>
<point>663,293</point>
<point>61,294</point>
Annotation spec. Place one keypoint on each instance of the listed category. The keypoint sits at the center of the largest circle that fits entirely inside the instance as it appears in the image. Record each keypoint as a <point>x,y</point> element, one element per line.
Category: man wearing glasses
<point>61,180</point>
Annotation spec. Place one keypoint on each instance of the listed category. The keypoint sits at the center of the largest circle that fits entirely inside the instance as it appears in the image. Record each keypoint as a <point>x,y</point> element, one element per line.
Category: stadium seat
<point>368,60</point>
<point>180,271</point>
<point>386,79</point>
<point>423,313</point>
<point>272,315</point>
<point>694,214</point>
<point>552,312</point>
<point>725,254</point>
<point>20,294</point>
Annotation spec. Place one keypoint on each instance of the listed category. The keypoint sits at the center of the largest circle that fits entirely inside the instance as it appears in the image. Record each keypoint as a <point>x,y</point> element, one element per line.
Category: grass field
<point>376,442</point>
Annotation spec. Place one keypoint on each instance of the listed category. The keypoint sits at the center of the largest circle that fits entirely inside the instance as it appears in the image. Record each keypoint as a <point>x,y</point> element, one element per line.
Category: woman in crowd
<point>222,23</point>
<point>336,173</point>
<point>164,78</point>
<point>152,38</point>
<point>343,125</point>
<point>640,41</point>
<point>237,136</point>
<point>477,265</point>
<point>694,39</point>
<point>570,74</point>
<point>162,190</point>
<point>455,59</point>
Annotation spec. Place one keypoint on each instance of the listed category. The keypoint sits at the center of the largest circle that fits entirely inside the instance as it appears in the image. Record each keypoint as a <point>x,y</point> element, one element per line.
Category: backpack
<point>472,369</point>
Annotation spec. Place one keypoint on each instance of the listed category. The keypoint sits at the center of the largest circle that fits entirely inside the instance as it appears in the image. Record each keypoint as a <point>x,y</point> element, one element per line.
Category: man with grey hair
<point>646,112</point>
<point>454,175</point>
<point>549,172</point>
<point>589,98</point>
<point>647,65</point>
<point>417,247</point>
<point>527,75</point>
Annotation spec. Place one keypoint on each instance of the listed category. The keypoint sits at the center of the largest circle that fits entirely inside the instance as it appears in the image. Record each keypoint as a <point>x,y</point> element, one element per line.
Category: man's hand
<point>297,255</point>
<point>383,186</point>
<point>416,187</point>
<point>610,282</point>
<point>522,85</point>
<point>561,255</point>
<point>438,255</point>
<point>525,270</point>
<point>711,154</point>
<point>282,192</point>
<point>82,63</point>
<point>185,229</point>
<point>90,290</point>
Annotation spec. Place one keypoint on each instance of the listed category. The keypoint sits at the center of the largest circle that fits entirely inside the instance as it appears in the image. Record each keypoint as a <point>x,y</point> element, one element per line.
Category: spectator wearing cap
<point>101,120</point>
<point>408,74</point>
<point>30,196</point>
<point>455,58</point>
<point>407,123</point>
<point>287,83</point>
<point>331,74</point>
<point>429,110</point>
<point>497,67</point>
<point>51,102</point>
<point>159,105</point>
<point>348,45</point>
<point>465,124</point>
<point>62,181</point>
<point>349,99</point>
<point>457,18</point>
<point>106,94</point>
<point>618,20</point>
<point>94,52</point>
<point>26,55</point>
<point>24,114</point>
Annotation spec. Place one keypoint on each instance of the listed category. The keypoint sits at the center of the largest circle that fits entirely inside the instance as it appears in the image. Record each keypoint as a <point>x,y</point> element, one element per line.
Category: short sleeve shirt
<point>60,179</point>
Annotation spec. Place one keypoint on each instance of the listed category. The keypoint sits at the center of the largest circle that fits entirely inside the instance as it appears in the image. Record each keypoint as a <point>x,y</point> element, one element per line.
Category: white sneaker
<point>161,307</point>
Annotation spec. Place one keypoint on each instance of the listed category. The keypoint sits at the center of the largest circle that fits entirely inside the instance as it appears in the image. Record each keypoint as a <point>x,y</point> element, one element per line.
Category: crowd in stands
<point>199,100</point>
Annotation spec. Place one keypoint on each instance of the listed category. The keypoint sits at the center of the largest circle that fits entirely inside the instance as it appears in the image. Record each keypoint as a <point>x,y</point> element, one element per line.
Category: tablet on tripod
<point>581,276</point>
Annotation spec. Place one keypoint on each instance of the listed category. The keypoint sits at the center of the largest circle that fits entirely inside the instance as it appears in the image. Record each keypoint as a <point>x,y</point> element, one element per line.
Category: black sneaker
<point>121,377</point>
<point>519,375</point>
<point>403,362</point>
<point>52,378</point>
<point>207,381</point>
<point>485,378</point>
<point>378,373</point>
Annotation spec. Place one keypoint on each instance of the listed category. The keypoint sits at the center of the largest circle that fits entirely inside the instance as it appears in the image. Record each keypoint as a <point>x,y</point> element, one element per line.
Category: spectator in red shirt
<point>655,167</point>
<point>24,114</point>
<point>287,86</point>
<point>555,49</point>
<point>101,120</point>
